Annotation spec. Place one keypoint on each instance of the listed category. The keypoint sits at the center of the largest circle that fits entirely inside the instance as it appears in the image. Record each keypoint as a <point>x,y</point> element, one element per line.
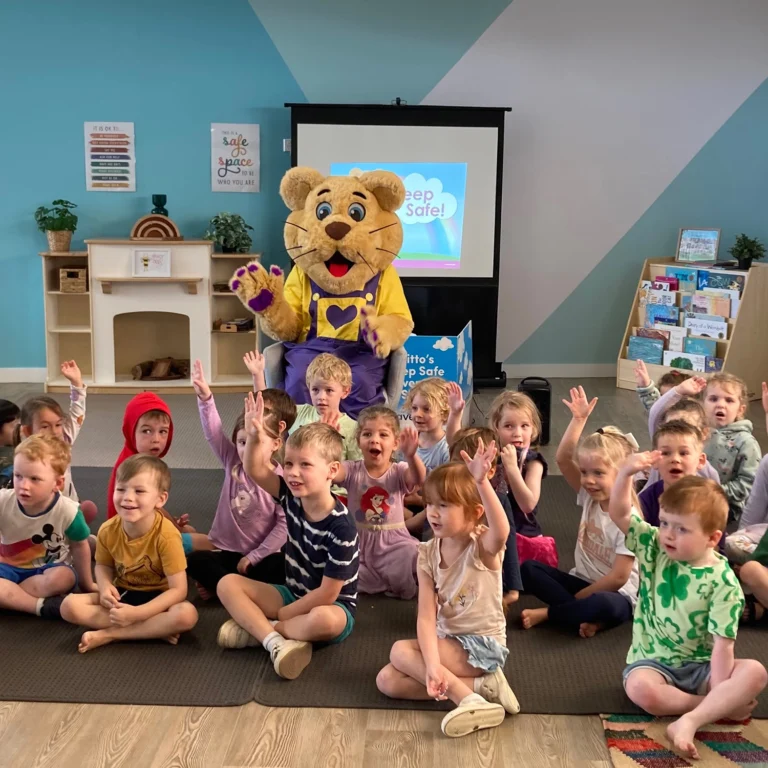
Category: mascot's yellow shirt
<point>389,300</point>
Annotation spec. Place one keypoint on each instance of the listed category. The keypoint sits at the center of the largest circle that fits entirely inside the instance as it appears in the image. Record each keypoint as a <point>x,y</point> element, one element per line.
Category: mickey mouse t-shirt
<point>32,541</point>
<point>680,607</point>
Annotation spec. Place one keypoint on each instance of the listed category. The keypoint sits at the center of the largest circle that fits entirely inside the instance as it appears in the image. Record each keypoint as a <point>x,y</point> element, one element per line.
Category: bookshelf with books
<point>693,315</point>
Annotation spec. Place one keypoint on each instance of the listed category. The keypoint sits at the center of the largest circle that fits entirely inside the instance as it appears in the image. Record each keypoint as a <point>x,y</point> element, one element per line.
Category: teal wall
<point>725,186</point>
<point>172,68</point>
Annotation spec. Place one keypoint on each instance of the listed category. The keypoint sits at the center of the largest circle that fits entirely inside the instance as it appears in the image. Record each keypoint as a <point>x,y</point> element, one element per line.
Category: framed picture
<point>698,245</point>
<point>150,262</point>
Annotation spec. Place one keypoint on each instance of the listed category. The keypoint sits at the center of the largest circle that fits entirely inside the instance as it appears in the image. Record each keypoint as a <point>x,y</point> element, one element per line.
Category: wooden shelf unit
<point>744,353</point>
<point>69,316</point>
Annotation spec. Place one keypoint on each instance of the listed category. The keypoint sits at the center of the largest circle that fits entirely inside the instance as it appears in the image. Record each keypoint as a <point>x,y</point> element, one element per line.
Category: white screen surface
<point>450,178</point>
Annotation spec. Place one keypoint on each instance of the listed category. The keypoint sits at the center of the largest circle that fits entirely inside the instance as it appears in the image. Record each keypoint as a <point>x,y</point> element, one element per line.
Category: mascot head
<point>342,230</point>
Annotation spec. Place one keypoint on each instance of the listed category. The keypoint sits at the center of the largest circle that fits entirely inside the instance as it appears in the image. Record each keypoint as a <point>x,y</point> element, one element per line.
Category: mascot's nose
<point>337,229</point>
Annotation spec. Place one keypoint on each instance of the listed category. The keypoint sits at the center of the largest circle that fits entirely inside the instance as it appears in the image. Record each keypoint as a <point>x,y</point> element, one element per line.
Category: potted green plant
<point>746,249</point>
<point>229,231</point>
<point>58,223</point>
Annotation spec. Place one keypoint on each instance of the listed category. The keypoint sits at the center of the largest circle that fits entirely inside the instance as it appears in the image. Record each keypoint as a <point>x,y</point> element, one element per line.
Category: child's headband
<point>629,437</point>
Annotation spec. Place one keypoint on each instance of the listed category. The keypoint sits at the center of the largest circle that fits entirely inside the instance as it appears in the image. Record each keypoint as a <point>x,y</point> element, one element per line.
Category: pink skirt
<point>388,563</point>
<point>541,548</point>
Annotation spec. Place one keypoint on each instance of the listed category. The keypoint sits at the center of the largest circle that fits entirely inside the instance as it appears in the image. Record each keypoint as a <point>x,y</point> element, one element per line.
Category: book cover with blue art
<point>730,281</point>
<point>659,313</point>
<point>686,277</point>
<point>695,346</point>
<point>647,350</point>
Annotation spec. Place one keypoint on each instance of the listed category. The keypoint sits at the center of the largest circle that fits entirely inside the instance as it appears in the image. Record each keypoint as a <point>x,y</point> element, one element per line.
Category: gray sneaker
<point>291,657</point>
<point>495,688</point>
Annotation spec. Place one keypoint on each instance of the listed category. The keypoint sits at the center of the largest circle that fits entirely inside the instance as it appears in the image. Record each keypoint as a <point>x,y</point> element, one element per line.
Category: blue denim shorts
<point>692,677</point>
<point>17,575</point>
<point>484,653</point>
<point>289,597</point>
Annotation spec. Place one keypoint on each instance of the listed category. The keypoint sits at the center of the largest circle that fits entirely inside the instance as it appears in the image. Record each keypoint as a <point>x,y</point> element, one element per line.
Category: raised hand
<point>455,398</point>
<point>691,387</point>
<point>637,462</point>
<point>254,416</point>
<point>254,362</point>
<point>578,405</point>
<point>480,464</point>
<point>256,287</point>
<point>332,420</point>
<point>199,384</point>
<point>642,379</point>
<point>409,442</point>
<point>71,372</point>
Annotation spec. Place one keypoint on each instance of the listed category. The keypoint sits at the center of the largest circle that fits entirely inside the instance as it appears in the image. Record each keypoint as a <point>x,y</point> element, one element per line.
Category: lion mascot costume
<point>343,296</point>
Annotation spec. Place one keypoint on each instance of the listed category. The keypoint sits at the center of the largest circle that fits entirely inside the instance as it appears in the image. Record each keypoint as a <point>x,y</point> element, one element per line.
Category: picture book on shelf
<point>686,278</point>
<point>648,350</point>
<point>685,361</point>
<point>676,336</point>
<point>733,296</point>
<point>668,298</point>
<point>706,304</point>
<point>705,325</point>
<point>672,282</point>
<point>697,346</point>
<point>714,364</point>
<point>729,280</point>
<point>654,333</point>
<point>660,313</point>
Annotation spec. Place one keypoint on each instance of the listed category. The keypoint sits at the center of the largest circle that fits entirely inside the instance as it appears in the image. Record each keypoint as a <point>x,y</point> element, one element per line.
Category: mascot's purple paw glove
<point>261,301</point>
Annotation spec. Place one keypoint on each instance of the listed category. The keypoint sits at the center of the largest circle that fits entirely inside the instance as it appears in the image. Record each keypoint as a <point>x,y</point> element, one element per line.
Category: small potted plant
<point>746,249</point>
<point>230,231</point>
<point>58,223</point>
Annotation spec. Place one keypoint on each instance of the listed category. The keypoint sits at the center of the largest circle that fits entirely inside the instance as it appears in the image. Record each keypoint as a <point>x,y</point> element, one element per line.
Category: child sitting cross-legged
<point>140,566</point>
<point>681,661</point>
<point>600,591</point>
<point>376,488</point>
<point>317,602</point>
<point>44,550</point>
<point>460,649</point>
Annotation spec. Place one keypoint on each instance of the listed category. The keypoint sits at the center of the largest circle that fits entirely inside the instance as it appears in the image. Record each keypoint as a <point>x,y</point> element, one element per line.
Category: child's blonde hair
<point>142,462</point>
<point>610,444</point>
<point>435,392</point>
<point>518,401</point>
<point>699,496</point>
<point>468,439</point>
<point>453,484</point>
<point>30,409</point>
<point>373,412</point>
<point>322,437</point>
<point>327,367</point>
<point>46,449</point>
<point>730,381</point>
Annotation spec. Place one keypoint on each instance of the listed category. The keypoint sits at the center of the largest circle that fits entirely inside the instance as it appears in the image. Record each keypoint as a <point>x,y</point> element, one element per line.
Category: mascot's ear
<point>297,184</point>
<point>386,186</point>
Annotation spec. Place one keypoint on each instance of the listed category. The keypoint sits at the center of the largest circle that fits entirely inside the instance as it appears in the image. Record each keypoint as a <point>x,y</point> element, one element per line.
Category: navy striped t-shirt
<point>328,547</point>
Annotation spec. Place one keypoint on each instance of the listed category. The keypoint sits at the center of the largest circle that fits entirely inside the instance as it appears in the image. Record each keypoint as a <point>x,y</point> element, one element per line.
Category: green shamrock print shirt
<point>679,607</point>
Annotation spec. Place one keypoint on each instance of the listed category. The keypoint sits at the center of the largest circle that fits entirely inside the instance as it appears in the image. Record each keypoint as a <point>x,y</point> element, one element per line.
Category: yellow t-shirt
<point>389,300</point>
<point>145,563</point>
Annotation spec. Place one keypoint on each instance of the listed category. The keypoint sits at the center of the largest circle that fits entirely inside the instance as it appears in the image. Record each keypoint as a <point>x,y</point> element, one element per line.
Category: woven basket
<point>59,242</point>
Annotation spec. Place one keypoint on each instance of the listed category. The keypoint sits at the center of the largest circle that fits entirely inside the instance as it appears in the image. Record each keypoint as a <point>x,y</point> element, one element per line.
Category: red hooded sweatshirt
<point>136,408</point>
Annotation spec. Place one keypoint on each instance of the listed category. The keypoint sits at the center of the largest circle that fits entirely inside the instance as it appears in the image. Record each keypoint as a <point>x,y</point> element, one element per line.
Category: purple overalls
<point>367,370</point>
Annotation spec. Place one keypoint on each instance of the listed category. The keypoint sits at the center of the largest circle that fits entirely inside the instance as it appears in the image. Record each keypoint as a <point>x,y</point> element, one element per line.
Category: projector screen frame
<point>436,301</point>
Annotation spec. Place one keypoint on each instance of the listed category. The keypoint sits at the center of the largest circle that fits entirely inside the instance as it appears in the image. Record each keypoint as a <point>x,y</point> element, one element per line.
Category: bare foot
<point>533,616</point>
<point>588,629</point>
<point>202,591</point>
<point>743,713</point>
<point>172,639</point>
<point>681,733</point>
<point>91,640</point>
<point>510,598</point>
